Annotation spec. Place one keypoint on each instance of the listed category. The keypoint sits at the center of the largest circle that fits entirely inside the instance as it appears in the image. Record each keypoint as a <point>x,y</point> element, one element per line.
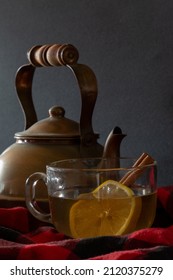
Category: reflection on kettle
<point>55,137</point>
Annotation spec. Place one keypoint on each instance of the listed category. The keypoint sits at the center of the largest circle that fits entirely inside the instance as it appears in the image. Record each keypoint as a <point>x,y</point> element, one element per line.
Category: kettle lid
<point>54,127</point>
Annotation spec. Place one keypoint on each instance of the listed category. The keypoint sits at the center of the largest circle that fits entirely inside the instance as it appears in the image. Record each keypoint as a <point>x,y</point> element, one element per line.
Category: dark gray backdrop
<point>129,46</point>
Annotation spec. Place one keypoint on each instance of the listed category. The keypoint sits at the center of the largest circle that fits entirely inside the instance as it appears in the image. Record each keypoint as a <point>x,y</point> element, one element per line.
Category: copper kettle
<point>55,137</point>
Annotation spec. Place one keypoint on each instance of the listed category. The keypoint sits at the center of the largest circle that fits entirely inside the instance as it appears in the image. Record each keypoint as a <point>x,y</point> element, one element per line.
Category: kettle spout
<point>113,142</point>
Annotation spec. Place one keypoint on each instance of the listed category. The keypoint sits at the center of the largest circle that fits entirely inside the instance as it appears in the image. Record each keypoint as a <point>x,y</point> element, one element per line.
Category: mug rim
<point>54,165</point>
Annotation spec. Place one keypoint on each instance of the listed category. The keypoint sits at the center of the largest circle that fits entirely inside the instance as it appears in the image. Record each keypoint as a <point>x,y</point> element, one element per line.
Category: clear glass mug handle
<point>30,198</point>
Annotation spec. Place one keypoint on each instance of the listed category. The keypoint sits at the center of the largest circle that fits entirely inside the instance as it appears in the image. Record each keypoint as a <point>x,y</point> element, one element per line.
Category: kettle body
<point>20,160</point>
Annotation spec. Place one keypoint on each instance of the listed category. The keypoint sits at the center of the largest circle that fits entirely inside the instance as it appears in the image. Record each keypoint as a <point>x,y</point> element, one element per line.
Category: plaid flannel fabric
<point>21,237</point>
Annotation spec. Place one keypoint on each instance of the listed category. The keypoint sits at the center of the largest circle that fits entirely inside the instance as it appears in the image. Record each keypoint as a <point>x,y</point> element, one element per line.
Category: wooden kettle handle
<point>53,55</point>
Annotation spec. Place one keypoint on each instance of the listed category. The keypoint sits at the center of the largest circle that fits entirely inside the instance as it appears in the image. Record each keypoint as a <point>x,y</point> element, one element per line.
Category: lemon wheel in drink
<point>111,209</point>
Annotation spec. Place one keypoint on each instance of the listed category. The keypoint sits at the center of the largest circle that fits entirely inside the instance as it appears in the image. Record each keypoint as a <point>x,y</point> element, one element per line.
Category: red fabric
<point>22,238</point>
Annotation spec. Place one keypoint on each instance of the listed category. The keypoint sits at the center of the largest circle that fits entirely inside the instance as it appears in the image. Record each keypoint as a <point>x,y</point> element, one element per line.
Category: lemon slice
<point>111,209</point>
<point>111,188</point>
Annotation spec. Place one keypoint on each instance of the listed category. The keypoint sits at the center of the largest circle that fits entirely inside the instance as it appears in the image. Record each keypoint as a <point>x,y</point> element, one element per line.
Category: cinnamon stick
<point>137,169</point>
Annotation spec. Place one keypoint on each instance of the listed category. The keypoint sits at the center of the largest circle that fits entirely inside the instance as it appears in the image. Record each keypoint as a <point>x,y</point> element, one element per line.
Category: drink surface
<point>111,210</point>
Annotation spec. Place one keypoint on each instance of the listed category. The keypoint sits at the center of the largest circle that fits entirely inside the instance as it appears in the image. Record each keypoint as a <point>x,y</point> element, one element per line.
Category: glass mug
<point>95,196</point>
